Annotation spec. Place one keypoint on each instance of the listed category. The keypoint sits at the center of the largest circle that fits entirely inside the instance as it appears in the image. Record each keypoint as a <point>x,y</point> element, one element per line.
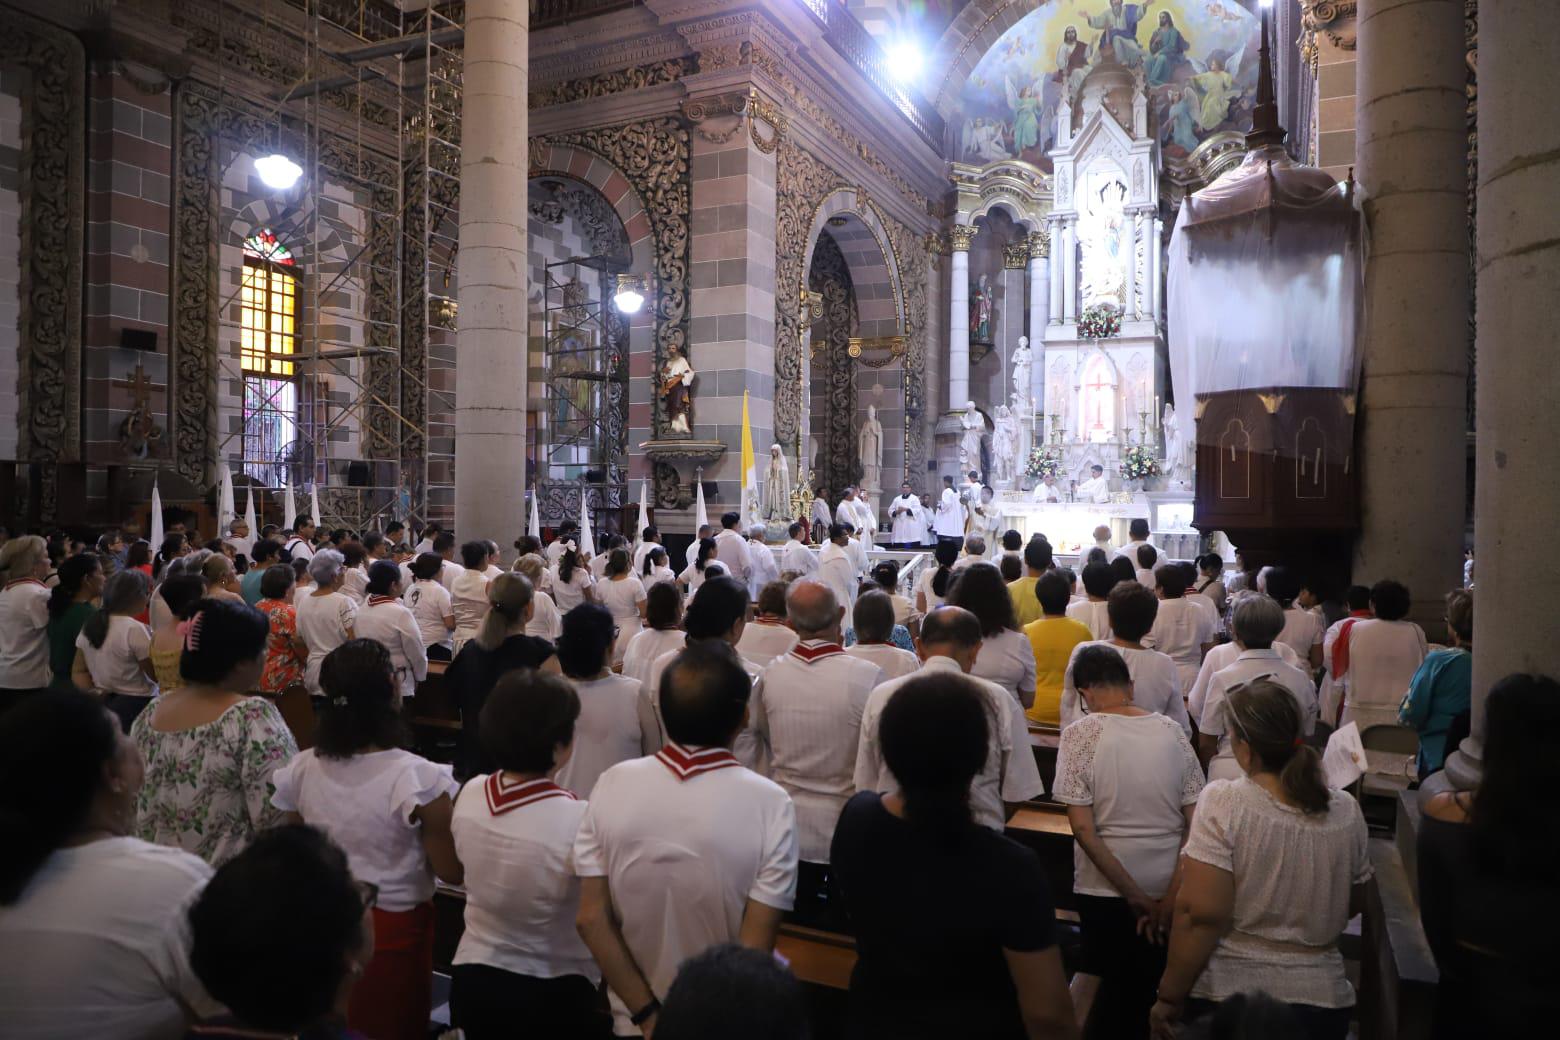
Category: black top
<point>472,676</point>
<point>931,924</point>
<point>1493,937</point>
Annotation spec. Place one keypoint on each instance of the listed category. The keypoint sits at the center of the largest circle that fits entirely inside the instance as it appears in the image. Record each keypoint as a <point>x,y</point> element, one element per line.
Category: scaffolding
<point>357,398</point>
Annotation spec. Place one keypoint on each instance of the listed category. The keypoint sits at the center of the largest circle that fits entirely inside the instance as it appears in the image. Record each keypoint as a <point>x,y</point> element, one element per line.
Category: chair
<point>1390,753</point>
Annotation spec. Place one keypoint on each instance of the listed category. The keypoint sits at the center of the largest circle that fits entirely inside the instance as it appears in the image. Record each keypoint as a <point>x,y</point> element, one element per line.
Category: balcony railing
<point>548,13</point>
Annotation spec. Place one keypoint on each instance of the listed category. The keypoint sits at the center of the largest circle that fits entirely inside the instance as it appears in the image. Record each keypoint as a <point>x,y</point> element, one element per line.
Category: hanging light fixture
<point>630,293</point>
<point>277,171</point>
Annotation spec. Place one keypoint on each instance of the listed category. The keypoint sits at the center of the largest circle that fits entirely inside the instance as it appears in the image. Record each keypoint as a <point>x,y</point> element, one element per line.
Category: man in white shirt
<point>872,619</point>
<point>796,558</point>
<point>1156,686</point>
<point>1257,622</point>
<point>731,548</point>
<point>949,642</point>
<point>429,533</point>
<point>1102,541</point>
<point>1096,488</point>
<point>762,568</point>
<point>444,548</point>
<point>904,517</point>
<point>1046,491</point>
<point>1183,628</point>
<point>301,544</point>
<point>651,537</point>
<point>704,531</point>
<point>974,552</point>
<point>949,523</point>
<point>1139,535</point>
<point>807,708</point>
<point>684,849</point>
<point>767,636</point>
<point>1145,560</point>
<point>845,512</point>
<point>238,537</point>
<point>836,568</point>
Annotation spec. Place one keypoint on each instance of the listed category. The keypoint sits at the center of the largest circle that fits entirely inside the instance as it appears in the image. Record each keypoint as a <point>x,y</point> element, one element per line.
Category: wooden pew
<point>1045,741</point>
<point>433,715</point>
<point>1043,826</point>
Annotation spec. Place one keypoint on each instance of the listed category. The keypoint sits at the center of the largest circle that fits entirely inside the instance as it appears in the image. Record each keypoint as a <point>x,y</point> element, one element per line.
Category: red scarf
<point>1340,650</point>
<point>686,763</point>
<point>504,795</point>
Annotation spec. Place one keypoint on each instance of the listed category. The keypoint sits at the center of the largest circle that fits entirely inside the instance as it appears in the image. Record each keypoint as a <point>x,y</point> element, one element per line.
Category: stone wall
<point>10,254</point>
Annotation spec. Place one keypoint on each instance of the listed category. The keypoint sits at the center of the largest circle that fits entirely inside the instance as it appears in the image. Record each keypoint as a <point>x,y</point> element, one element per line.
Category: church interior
<point>482,322</point>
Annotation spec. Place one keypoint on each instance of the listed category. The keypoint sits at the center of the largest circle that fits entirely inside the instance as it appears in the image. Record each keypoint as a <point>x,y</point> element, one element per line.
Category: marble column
<point>1412,171</point>
<point>959,237</point>
<point>1518,395</point>
<point>1155,248</point>
<point>1069,269</point>
<point>1058,238</point>
<point>1039,311</point>
<point>1134,227</point>
<point>490,357</point>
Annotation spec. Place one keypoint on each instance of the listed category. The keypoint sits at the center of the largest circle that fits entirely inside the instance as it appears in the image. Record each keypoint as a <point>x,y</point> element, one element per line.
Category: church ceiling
<point>1199,59</point>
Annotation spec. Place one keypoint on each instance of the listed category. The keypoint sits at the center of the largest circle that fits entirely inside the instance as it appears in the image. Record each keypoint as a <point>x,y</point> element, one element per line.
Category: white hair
<point>326,565</point>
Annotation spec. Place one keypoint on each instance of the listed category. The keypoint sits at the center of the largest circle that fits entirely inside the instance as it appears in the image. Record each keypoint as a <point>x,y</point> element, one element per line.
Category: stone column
<point>1134,227</point>
<point>1039,311</point>
<point>1058,231</point>
<point>1412,171</point>
<point>1518,395</point>
<point>490,365</point>
<point>1155,249</point>
<point>1069,269</point>
<point>959,237</point>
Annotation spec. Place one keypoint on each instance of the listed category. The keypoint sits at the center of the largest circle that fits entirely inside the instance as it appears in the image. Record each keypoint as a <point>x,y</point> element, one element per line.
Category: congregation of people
<point>215,820</point>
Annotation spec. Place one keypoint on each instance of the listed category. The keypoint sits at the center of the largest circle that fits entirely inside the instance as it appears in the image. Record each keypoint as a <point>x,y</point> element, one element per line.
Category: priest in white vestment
<point>904,516</point>
<point>1096,489</point>
<point>837,569</point>
<point>950,513</point>
<point>796,557</point>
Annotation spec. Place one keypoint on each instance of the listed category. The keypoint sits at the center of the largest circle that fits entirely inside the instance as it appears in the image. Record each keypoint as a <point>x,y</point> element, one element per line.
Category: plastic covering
<point>1264,283</point>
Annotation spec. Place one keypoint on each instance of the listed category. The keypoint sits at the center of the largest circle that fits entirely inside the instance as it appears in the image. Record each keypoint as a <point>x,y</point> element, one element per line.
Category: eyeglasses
<point>368,892</point>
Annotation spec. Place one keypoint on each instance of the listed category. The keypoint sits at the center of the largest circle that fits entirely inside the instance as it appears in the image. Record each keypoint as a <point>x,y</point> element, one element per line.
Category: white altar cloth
<point>1069,526</point>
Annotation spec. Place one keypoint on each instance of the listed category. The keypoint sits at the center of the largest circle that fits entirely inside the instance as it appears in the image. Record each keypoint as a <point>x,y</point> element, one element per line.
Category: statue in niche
<point>980,311</point>
<point>1004,446</point>
<point>1022,366</point>
<point>974,425</point>
<point>676,389</point>
<point>869,448</point>
<point>777,486</point>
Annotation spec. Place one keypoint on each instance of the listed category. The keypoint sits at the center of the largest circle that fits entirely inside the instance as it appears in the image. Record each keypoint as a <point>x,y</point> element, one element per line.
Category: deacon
<point>950,640</point>
<point>1096,489</point>
<point>836,569</point>
<point>807,708</point>
<point>904,513</point>
<point>655,890</point>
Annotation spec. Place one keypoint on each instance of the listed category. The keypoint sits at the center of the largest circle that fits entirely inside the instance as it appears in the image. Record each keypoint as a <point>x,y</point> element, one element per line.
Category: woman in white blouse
<point>389,810</point>
<point>520,958</point>
<point>24,619</point>
<point>1006,657</point>
<point>613,725</point>
<point>932,585</point>
<point>663,632</point>
<point>468,592</point>
<point>114,650</point>
<point>571,581</point>
<point>546,619</point>
<point>1384,653</point>
<point>386,620</point>
<point>1303,630</point>
<point>655,568</point>
<point>1275,867</point>
<point>623,595</point>
<point>694,574</point>
<point>325,615</point>
<point>1130,781</point>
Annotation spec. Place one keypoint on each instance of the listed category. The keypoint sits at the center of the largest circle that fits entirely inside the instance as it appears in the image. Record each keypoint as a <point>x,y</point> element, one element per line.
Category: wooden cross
<point>140,386</point>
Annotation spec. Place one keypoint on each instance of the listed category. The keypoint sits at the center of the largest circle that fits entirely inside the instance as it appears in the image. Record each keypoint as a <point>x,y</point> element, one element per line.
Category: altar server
<point>1096,488</point>
<point>836,568</point>
<point>950,514</point>
<point>904,513</point>
<point>684,849</point>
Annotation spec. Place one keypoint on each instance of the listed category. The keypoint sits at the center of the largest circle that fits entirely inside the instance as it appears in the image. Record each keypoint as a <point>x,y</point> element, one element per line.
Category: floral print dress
<point>208,789</point>
<point>282,667</point>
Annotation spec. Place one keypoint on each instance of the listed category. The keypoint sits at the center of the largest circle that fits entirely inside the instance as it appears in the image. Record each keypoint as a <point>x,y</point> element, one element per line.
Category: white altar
<point>1069,526</point>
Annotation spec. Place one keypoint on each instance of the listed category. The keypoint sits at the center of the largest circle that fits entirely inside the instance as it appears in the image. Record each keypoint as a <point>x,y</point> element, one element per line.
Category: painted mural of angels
<point>1206,98</point>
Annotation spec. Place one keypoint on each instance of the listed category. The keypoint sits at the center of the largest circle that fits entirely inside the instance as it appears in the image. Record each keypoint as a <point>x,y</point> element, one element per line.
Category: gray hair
<point>758,531</point>
<point>189,563</point>
<point>975,545</point>
<point>1257,621</point>
<point>811,613</point>
<point>326,566</point>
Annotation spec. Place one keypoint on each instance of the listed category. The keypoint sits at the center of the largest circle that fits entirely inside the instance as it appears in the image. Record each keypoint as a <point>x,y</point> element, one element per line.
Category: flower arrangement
<point>1044,463</point>
<point>1138,463</point>
<point>1101,321</point>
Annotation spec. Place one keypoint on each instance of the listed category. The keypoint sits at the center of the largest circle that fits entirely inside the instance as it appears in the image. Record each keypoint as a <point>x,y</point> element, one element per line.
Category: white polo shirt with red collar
<point>1010,773</point>
<point>24,644</point>
<point>807,709</point>
<point>749,750</point>
<point>764,640</point>
<point>685,838</point>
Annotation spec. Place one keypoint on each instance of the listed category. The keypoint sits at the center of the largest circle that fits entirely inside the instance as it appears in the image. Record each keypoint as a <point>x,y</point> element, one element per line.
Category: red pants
<point>394,998</point>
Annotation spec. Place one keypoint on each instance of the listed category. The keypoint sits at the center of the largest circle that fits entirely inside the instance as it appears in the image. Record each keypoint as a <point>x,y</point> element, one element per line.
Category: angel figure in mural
<point>777,486</point>
<point>1205,99</point>
<point>1119,25</point>
<point>676,381</point>
<point>1167,52</point>
<point>1004,446</point>
<point>1025,103</point>
<point>980,311</point>
<point>982,139</point>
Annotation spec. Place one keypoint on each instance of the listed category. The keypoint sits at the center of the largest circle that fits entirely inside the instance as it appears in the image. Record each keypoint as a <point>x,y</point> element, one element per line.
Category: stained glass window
<point>268,342</point>
<point>264,245</point>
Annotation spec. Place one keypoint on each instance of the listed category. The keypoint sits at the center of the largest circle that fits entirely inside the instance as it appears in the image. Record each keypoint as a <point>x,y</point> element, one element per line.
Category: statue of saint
<point>974,425</point>
<point>777,486</point>
<point>676,380</point>
<point>869,447</point>
<point>1004,446</point>
<point>980,312</point>
<point>1022,366</point>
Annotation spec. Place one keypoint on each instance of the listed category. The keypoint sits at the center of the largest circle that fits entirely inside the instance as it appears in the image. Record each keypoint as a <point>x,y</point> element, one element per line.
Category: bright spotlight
<point>904,60</point>
<point>277,171</point>
<point>630,294</point>
<point>1267,3</point>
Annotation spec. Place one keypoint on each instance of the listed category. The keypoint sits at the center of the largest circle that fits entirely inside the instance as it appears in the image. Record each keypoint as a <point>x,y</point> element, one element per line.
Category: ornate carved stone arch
<point>53,168</point>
